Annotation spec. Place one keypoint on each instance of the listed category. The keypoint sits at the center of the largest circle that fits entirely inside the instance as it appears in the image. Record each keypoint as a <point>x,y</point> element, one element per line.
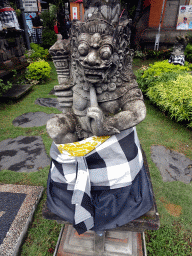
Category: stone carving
<point>60,52</point>
<point>12,50</point>
<point>177,55</point>
<point>99,181</point>
<point>97,88</point>
<point>107,10</point>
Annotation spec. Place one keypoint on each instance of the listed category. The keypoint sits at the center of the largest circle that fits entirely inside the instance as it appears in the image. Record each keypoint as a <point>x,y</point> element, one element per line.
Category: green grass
<point>171,197</point>
<point>43,234</point>
<point>174,235</point>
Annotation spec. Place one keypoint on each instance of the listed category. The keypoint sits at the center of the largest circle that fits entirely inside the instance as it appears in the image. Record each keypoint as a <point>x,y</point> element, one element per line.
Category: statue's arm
<point>133,111</point>
<point>132,114</point>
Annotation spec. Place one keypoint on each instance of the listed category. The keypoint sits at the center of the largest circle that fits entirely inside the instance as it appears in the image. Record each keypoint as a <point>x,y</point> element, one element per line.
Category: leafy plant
<point>49,38</point>
<point>4,86</point>
<point>38,71</point>
<point>159,72</point>
<point>188,52</point>
<point>174,96</point>
<point>168,86</point>
<point>48,19</point>
<point>37,52</point>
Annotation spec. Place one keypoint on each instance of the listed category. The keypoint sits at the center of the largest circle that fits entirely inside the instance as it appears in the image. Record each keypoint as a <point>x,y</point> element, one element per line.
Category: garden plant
<point>168,86</point>
<point>38,71</point>
<point>37,52</point>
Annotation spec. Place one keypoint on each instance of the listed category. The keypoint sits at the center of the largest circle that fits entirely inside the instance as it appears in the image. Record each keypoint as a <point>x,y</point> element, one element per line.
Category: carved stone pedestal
<point>61,58</point>
<point>118,243</point>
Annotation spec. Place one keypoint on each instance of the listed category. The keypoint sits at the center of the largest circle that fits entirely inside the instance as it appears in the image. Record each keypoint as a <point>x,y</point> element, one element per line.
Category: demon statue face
<point>99,52</point>
<point>95,56</point>
<point>105,95</point>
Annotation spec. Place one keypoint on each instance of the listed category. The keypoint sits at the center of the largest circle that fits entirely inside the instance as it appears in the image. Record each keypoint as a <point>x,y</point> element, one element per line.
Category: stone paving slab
<point>17,90</point>
<point>17,206</point>
<point>23,154</point>
<point>48,102</point>
<point>172,165</point>
<point>115,243</point>
<point>32,119</point>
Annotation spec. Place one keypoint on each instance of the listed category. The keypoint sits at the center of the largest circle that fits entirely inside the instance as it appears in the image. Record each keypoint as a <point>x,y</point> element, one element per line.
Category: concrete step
<point>112,243</point>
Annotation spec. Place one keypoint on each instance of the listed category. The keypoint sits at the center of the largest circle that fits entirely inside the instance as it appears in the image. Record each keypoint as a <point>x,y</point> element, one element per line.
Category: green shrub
<point>169,87</point>
<point>48,18</point>
<point>37,52</point>
<point>38,71</point>
<point>163,66</point>
<point>159,72</point>
<point>49,38</point>
<point>188,52</point>
<point>174,97</point>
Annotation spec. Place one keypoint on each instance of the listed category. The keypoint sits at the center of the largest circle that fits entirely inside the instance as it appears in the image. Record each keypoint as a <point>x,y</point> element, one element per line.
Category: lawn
<point>174,199</point>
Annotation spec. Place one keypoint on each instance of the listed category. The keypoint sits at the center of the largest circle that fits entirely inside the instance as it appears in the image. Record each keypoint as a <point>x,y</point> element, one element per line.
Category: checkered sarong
<point>110,166</point>
<point>8,18</point>
<point>36,35</point>
<point>177,59</point>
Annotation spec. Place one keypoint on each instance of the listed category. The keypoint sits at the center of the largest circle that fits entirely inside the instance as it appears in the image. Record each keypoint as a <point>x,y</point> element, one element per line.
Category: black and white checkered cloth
<point>36,35</point>
<point>111,166</point>
<point>8,18</point>
<point>177,59</point>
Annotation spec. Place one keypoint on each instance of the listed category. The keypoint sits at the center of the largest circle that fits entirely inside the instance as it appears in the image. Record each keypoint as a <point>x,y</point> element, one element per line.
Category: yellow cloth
<point>82,148</point>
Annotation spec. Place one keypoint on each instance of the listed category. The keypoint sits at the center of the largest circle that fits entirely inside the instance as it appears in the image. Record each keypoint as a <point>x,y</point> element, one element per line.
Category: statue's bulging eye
<point>83,49</point>
<point>105,52</point>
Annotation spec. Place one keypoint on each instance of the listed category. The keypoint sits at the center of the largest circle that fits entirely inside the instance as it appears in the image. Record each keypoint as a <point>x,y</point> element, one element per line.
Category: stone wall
<point>12,51</point>
<point>167,38</point>
<point>146,34</point>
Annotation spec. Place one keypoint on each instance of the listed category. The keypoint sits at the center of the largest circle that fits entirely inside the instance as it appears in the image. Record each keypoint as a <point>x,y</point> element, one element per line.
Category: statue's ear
<point>76,27</point>
<point>124,27</point>
<point>124,33</point>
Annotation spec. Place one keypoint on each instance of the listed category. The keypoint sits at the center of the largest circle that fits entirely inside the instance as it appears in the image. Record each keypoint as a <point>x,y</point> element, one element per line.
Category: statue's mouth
<point>94,74</point>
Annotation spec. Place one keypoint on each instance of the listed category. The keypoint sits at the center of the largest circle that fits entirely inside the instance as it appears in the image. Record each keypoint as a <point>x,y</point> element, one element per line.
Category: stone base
<point>90,244</point>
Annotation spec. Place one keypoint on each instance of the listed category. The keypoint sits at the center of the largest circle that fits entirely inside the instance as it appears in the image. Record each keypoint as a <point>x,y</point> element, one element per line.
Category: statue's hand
<point>98,125</point>
<point>95,119</point>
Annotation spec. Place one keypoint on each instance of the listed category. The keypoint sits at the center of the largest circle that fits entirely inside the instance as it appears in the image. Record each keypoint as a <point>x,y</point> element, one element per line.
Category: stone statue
<point>177,55</point>
<point>96,154</point>
<point>105,96</point>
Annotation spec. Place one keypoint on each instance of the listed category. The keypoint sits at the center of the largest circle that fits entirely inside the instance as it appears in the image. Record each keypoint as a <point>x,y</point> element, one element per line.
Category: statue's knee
<point>61,128</point>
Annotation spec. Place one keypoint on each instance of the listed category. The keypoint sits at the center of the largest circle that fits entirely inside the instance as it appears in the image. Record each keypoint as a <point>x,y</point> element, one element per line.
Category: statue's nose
<point>92,59</point>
